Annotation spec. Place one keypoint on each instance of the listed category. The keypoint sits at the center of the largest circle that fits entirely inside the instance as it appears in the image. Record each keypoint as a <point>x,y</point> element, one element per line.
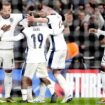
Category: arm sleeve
<point>14,38</point>
<point>57,25</point>
<point>100,32</point>
<point>58,30</point>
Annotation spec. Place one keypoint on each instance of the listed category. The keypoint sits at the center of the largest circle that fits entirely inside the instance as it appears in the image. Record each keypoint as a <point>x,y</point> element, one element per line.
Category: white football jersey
<point>24,23</point>
<point>55,22</point>
<point>12,21</point>
<point>57,42</point>
<point>36,38</point>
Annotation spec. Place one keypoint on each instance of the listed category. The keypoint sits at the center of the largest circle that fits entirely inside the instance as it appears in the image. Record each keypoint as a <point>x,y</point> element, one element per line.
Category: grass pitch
<point>75,101</point>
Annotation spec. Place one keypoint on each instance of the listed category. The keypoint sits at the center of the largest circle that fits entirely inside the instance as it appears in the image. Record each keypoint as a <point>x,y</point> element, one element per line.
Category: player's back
<point>36,38</point>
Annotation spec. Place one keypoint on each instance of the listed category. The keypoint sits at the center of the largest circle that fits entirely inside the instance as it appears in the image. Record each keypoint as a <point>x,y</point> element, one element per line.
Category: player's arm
<point>40,20</point>
<point>100,32</point>
<point>97,32</point>
<point>57,26</point>
<point>57,29</point>
<point>14,38</point>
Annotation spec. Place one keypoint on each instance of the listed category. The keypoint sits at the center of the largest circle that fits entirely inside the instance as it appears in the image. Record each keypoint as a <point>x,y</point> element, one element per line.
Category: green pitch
<point>75,101</point>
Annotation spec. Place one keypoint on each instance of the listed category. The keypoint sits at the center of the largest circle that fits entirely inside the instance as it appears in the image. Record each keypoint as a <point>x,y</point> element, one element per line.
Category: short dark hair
<point>31,8</point>
<point>6,3</point>
<point>71,38</point>
<point>101,37</point>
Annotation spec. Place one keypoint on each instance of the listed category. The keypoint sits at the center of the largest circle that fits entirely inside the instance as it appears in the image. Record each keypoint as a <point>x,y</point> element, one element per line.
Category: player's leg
<point>103,75</point>
<point>8,85</point>
<point>8,64</point>
<point>43,74</point>
<point>42,89</point>
<point>63,83</point>
<point>26,88</point>
<point>41,97</point>
<point>51,89</point>
<point>58,63</point>
<point>27,82</point>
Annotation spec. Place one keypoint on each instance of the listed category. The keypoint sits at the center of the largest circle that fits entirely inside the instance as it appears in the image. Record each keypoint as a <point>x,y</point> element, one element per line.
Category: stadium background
<point>89,46</point>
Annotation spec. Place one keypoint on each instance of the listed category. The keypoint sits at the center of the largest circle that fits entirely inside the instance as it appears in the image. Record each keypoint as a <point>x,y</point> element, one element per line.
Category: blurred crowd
<point>78,16</point>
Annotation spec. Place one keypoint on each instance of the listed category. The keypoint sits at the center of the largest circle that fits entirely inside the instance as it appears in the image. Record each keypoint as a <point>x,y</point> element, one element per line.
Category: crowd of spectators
<point>78,16</point>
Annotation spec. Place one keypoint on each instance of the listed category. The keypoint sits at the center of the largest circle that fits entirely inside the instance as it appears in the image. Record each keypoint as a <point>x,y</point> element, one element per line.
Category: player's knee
<point>8,71</point>
<point>45,80</point>
<point>56,72</point>
<point>26,82</point>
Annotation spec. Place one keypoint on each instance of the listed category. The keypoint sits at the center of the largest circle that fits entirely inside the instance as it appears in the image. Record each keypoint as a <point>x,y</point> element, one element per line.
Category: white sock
<point>51,88</point>
<point>42,90</point>
<point>63,83</point>
<point>103,79</point>
<point>29,93</point>
<point>24,94</point>
<point>8,84</point>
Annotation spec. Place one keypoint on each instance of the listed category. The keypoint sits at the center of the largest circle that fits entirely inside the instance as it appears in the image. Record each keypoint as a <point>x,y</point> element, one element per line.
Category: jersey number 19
<point>38,38</point>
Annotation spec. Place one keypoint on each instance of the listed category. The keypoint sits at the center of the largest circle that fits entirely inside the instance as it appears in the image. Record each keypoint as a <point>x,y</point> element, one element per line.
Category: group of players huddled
<point>41,24</point>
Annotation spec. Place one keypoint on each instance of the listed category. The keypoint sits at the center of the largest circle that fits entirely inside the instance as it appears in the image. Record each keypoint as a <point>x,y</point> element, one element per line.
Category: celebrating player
<point>8,22</point>
<point>101,35</point>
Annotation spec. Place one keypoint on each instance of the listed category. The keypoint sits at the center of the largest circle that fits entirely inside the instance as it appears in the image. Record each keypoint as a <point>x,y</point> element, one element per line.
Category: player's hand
<point>5,28</point>
<point>30,18</point>
<point>92,30</point>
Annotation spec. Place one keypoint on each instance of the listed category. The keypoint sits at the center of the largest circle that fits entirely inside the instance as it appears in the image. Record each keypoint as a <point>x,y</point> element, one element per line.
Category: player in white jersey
<point>57,53</point>
<point>101,35</point>
<point>35,62</point>
<point>8,23</point>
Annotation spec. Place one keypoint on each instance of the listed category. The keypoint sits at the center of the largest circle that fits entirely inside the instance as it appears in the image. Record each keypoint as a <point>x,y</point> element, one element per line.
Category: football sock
<point>42,90</point>
<point>24,94</point>
<point>8,84</point>
<point>63,83</point>
<point>29,93</point>
<point>51,89</point>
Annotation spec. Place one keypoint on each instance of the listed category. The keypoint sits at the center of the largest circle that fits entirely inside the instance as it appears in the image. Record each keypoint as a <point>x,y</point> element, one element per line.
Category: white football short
<point>39,68</point>
<point>7,59</point>
<point>56,59</point>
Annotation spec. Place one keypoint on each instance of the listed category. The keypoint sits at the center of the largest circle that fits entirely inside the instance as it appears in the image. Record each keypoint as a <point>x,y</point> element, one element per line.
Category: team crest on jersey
<point>11,20</point>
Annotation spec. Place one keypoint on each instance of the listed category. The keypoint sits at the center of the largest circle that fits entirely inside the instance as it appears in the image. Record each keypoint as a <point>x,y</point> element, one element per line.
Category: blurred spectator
<point>82,26</point>
<point>99,18</point>
<point>73,48</point>
<point>102,9</point>
<point>59,6</point>
<point>74,58</point>
<point>88,8</point>
<point>68,22</point>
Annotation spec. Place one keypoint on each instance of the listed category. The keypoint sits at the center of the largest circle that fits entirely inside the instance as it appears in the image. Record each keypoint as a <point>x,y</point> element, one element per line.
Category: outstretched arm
<point>97,32</point>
